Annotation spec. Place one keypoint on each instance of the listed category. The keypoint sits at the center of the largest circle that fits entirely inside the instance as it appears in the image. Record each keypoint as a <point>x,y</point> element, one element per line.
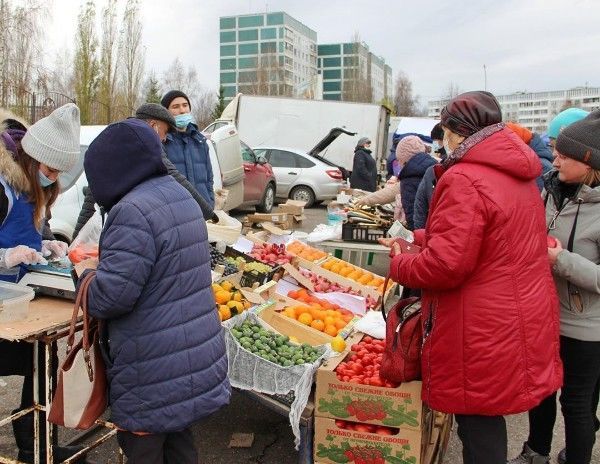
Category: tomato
<point>382,430</point>
<point>367,339</point>
<point>376,381</point>
<point>362,428</point>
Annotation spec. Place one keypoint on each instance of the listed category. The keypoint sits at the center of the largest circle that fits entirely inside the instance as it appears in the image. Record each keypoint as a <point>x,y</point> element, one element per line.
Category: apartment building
<point>268,53</point>
<point>351,71</point>
<point>534,110</point>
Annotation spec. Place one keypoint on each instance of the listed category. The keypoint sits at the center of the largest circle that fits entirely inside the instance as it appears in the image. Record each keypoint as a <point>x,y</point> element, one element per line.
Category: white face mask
<point>435,146</point>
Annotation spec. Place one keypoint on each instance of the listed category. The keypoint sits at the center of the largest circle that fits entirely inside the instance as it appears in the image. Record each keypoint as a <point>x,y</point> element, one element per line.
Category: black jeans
<point>579,403</point>
<point>160,448</point>
<point>484,439</point>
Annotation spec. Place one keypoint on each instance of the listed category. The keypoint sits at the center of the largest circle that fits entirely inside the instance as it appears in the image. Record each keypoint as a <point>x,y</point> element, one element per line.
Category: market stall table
<point>47,321</point>
<point>356,253</point>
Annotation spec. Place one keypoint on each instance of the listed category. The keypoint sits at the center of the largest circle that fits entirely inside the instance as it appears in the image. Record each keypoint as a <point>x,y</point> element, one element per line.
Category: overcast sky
<point>526,45</point>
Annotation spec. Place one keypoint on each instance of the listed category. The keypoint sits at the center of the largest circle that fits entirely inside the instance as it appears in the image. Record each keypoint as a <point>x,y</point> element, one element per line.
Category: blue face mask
<point>182,120</point>
<point>44,181</point>
<point>435,146</point>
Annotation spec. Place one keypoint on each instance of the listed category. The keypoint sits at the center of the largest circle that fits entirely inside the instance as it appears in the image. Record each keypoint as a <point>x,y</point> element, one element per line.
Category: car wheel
<point>266,205</point>
<point>303,193</point>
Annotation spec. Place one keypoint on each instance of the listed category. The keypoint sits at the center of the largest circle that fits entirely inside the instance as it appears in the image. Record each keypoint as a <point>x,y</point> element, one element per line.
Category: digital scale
<point>52,279</point>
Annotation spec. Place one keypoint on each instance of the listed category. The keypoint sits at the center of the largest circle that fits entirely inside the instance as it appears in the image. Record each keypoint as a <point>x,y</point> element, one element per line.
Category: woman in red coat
<point>490,310</point>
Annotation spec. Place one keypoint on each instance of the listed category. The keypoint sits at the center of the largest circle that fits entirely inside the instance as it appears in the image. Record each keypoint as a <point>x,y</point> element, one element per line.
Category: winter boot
<point>23,431</point>
<point>562,456</point>
<point>528,456</point>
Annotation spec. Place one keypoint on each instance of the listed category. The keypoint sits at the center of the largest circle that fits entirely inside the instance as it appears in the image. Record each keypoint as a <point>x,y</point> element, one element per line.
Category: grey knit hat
<point>156,112</point>
<point>54,140</point>
<point>581,140</point>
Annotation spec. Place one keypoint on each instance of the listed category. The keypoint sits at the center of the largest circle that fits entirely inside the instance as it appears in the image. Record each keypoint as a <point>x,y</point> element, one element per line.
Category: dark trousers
<point>484,439</point>
<point>160,448</point>
<point>579,403</point>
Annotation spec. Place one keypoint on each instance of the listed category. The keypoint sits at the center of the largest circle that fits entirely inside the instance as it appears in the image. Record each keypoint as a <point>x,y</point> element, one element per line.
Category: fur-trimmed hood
<point>11,172</point>
<point>9,169</point>
<point>7,114</point>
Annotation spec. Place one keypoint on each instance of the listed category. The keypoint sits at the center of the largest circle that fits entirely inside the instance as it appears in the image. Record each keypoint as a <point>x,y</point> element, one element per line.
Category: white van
<point>225,157</point>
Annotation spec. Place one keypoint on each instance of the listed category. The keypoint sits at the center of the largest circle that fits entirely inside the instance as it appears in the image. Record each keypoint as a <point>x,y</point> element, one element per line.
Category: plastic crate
<point>251,278</point>
<point>359,233</point>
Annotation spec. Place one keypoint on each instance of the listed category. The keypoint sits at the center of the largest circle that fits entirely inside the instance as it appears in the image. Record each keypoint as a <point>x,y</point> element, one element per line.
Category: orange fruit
<point>354,275</point>
<point>347,317</point>
<point>364,279</point>
<point>329,320</point>
<point>336,268</point>
<point>318,324</point>
<point>345,271</point>
<point>227,286</point>
<point>327,264</point>
<point>305,318</point>
<point>331,330</point>
<point>340,323</point>
<point>290,312</point>
<point>293,294</point>
<point>224,312</point>
<point>302,310</point>
<point>222,296</point>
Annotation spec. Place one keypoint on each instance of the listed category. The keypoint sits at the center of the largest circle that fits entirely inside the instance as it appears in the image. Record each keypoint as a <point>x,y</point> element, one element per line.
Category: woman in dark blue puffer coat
<point>165,352</point>
<point>411,156</point>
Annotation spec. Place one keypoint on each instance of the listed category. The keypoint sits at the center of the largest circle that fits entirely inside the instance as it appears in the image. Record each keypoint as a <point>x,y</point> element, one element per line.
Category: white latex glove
<point>54,248</point>
<point>21,255</point>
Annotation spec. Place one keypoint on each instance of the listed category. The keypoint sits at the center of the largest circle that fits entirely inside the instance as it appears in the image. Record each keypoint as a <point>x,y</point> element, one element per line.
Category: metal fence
<point>33,106</point>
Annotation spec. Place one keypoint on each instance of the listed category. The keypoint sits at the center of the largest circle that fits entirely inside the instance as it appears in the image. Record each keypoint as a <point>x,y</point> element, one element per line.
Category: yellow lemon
<point>338,344</point>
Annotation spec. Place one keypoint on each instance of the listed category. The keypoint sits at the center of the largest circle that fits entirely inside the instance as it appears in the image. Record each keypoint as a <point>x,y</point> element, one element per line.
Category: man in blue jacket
<point>186,147</point>
<point>163,345</point>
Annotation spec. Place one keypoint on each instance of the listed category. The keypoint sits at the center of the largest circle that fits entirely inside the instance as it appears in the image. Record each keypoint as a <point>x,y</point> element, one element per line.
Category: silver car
<point>301,176</point>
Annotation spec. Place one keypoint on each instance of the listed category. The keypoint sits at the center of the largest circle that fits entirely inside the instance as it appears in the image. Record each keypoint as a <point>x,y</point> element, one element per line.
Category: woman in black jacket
<point>364,167</point>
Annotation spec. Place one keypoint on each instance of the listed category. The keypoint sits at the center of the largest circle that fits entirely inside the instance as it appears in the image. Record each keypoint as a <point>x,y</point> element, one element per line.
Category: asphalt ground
<point>273,438</point>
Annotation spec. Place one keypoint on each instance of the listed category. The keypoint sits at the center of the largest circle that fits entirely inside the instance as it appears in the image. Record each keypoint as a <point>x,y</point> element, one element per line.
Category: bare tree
<point>108,59</point>
<point>357,80</point>
<point>61,78</point>
<point>405,103</point>
<point>85,62</point>
<point>132,54</point>
<point>203,108</point>
<point>176,77</point>
<point>21,40</point>
<point>268,77</point>
<point>452,90</point>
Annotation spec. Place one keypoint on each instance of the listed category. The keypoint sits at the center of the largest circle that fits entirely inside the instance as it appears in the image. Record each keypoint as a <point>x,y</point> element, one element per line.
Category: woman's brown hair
<point>42,198</point>
<point>592,178</point>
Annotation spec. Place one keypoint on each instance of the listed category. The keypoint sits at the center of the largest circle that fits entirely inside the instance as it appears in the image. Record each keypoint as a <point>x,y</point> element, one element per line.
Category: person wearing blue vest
<point>30,162</point>
<point>186,147</point>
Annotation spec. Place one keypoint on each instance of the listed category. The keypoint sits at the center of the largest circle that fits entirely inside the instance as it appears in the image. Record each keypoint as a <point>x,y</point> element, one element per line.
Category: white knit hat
<point>54,140</point>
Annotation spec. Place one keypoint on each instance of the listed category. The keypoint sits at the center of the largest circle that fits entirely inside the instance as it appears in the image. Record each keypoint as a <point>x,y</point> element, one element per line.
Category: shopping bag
<point>81,393</point>
<point>401,359</point>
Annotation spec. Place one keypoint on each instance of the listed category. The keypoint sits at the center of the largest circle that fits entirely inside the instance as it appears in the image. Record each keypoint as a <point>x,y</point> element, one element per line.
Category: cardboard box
<point>282,220</point>
<point>333,445</point>
<point>293,207</point>
<point>333,277</point>
<point>268,312</point>
<point>283,301</point>
<point>335,399</point>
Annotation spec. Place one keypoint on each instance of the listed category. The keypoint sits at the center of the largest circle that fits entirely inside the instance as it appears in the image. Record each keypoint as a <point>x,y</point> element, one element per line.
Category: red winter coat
<point>490,310</point>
